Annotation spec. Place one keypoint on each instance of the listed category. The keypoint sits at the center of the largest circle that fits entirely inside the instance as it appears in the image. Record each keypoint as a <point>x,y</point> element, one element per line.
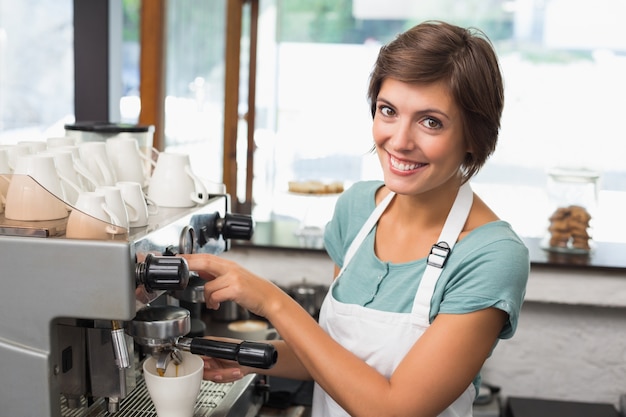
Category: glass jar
<point>573,195</point>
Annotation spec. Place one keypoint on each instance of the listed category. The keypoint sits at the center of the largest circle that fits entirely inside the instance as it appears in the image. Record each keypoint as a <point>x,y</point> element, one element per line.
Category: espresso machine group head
<point>69,306</point>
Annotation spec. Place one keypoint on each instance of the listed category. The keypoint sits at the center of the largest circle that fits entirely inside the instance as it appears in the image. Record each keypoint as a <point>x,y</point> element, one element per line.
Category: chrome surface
<point>215,400</point>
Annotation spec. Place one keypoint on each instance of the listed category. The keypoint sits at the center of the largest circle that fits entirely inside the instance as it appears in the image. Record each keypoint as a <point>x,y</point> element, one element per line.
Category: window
<point>36,68</point>
<point>563,64</point>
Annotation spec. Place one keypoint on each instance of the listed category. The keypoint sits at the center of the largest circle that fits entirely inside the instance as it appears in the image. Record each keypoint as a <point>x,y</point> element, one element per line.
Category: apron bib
<point>381,338</point>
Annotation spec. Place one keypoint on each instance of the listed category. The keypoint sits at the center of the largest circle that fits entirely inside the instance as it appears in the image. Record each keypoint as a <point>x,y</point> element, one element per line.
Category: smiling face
<point>418,133</point>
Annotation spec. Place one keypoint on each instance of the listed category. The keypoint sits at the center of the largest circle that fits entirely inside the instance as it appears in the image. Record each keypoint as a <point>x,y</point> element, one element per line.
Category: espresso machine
<point>78,316</point>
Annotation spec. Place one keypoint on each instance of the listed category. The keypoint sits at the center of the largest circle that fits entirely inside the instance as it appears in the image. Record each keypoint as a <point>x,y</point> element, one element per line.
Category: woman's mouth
<point>404,166</point>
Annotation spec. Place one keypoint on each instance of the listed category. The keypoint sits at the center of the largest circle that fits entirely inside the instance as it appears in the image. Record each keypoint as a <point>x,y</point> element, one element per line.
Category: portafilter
<point>162,329</point>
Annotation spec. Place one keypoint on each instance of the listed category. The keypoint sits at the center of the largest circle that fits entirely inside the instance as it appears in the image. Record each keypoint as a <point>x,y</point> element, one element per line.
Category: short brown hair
<point>464,59</point>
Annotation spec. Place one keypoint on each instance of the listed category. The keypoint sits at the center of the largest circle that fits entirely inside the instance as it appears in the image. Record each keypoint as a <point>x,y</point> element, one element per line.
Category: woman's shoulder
<point>360,196</point>
<point>363,188</point>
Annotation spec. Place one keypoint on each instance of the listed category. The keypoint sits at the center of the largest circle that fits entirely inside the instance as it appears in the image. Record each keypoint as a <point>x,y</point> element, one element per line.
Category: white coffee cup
<point>173,183</point>
<point>60,141</point>
<point>34,146</point>
<point>5,168</point>
<point>4,187</point>
<point>251,330</point>
<point>174,394</point>
<point>87,181</point>
<point>28,200</point>
<point>43,169</point>
<point>93,155</point>
<point>70,181</point>
<point>114,201</point>
<point>136,201</point>
<point>126,159</point>
<point>92,218</point>
<point>4,179</point>
<point>15,151</point>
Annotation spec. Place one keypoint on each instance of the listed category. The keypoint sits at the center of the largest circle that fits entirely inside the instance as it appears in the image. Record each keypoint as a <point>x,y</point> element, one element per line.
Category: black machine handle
<point>254,354</point>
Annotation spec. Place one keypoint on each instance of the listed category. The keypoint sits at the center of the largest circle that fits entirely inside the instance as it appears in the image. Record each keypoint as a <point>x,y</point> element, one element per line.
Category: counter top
<point>283,235</point>
<point>604,255</point>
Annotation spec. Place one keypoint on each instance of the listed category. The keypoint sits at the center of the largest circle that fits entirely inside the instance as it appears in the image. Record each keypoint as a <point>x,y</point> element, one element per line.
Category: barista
<point>427,277</point>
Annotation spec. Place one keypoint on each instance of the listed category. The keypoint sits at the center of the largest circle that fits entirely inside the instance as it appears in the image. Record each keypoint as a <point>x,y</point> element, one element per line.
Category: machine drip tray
<point>236,399</point>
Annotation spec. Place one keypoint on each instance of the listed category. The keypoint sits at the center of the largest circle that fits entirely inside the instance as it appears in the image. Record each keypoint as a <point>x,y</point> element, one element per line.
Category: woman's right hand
<point>226,280</point>
<point>221,371</point>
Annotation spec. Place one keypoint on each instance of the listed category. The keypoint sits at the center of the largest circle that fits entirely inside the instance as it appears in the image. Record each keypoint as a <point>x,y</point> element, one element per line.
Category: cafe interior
<point>264,104</point>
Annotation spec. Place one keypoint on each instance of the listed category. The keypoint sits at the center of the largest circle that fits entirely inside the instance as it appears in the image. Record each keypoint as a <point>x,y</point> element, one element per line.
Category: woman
<point>427,277</point>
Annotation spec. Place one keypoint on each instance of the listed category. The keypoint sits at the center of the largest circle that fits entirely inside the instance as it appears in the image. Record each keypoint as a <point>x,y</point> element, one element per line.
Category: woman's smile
<point>403,166</point>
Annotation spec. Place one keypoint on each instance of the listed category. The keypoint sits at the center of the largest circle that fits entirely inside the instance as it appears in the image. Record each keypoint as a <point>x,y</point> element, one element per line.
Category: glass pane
<point>563,65</point>
<point>194,104</point>
<point>36,69</point>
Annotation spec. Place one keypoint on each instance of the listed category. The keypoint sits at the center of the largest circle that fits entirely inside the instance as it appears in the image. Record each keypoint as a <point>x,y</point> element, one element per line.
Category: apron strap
<point>367,227</point>
<point>441,250</point>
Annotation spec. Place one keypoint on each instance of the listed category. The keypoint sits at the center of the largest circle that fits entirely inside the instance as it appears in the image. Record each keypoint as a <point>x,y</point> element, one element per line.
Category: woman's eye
<point>386,111</point>
<point>431,123</point>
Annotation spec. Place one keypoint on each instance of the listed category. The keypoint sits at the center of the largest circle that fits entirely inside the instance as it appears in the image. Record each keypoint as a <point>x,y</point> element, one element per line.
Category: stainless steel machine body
<point>62,299</point>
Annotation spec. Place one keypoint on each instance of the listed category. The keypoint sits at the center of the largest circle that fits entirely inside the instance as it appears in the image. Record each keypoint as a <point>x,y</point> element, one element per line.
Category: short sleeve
<point>492,275</point>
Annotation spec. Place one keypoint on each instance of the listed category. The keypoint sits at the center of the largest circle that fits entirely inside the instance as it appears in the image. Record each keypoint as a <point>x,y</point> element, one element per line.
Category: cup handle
<point>108,176</point>
<point>200,189</point>
<point>114,219</point>
<point>148,171</point>
<point>153,208</point>
<point>147,159</point>
<point>133,213</point>
<point>3,200</point>
<point>70,183</point>
<point>84,172</point>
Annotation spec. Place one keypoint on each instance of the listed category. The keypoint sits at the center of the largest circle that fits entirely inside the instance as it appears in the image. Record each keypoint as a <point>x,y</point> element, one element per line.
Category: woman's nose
<point>403,137</point>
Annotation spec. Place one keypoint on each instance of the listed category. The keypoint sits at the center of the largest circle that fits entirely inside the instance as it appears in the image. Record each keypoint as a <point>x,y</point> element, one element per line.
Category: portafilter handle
<point>253,354</point>
<point>169,273</point>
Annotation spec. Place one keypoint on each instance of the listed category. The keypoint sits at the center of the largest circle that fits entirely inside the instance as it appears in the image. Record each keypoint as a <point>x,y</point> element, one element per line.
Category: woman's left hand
<point>227,280</point>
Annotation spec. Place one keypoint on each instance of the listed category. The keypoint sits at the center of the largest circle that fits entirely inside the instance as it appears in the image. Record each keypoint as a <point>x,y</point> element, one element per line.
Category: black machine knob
<point>236,226</point>
<point>168,273</point>
<point>231,226</point>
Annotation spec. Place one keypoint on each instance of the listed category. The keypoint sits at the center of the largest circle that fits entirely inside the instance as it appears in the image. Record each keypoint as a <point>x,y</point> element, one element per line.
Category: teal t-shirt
<point>487,268</point>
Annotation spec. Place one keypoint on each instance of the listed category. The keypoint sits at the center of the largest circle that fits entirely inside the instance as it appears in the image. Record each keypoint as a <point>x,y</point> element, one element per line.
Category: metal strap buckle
<point>439,254</point>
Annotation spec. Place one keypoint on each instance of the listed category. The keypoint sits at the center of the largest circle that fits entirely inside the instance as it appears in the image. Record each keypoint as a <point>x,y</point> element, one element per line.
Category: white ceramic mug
<point>114,201</point>
<point>59,141</point>
<point>34,146</point>
<point>92,218</point>
<point>43,169</point>
<point>251,330</point>
<point>27,200</point>
<point>94,157</point>
<point>126,159</point>
<point>5,168</point>
<point>135,200</point>
<point>173,183</point>
<point>5,180</point>
<point>87,181</point>
<point>70,181</point>
<point>15,151</point>
<point>174,394</point>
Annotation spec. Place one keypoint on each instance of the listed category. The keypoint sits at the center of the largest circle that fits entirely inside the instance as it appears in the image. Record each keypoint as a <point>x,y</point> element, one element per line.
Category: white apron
<point>381,338</point>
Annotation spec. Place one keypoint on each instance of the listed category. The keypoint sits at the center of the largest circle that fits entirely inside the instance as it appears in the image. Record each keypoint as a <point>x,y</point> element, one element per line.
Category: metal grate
<point>139,404</point>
